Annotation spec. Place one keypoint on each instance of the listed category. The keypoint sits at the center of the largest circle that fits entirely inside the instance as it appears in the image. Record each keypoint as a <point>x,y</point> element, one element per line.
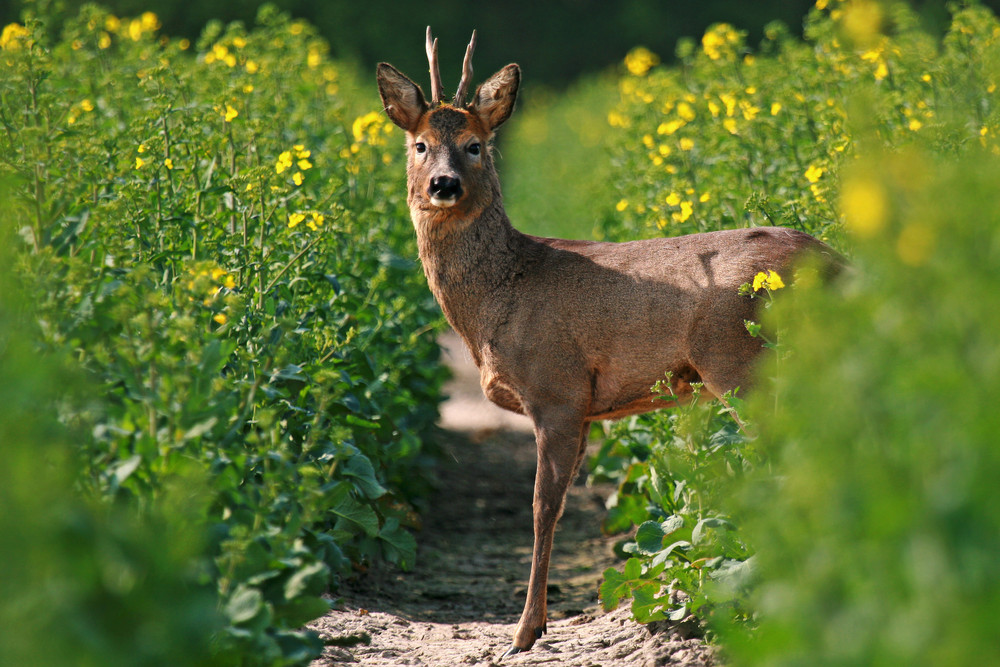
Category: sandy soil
<point>461,602</point>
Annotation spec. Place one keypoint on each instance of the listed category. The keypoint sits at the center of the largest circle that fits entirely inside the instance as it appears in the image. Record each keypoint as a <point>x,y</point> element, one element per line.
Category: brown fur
<point>568,332</point>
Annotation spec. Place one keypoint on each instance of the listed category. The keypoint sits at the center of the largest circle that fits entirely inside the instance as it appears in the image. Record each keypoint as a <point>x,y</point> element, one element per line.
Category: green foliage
<point>877,542</point>
<point>864,497</point>
<point>85,583</point>
<point>555,165</point>
<point>673,468</point>
<point>218,234</point>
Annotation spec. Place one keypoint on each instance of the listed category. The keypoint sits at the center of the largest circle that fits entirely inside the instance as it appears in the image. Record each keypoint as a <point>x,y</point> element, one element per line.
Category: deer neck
<point>469,260</point>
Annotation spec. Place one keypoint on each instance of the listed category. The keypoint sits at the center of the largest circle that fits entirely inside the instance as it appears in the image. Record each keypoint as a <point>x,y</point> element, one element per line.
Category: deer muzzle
<point>444,191</point>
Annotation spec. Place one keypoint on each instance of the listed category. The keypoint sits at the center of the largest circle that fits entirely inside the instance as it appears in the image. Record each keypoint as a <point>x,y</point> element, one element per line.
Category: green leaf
<point>125,468</point>
<point>712,522</point>
<point>310,579</point>
<point>399,545</point>
<point>297,613</point>
<point>613,588</point>
<point>633,568</point>
<point>649,538</point>
<point>359,468</point>
<point>244,604</point>
<point>352,510</point>
<point>200,429</point>
<point>647,604</point>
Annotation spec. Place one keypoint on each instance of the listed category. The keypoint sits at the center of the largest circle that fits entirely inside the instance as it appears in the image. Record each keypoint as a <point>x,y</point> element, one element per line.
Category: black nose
<point>445,187</point>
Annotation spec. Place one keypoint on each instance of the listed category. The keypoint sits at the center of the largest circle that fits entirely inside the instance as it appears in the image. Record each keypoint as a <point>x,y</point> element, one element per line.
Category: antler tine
<point>463,85</point>
<point>432,60</point>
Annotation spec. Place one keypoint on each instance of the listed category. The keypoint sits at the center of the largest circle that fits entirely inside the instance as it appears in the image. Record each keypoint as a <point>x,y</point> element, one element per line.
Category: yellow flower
<point>915,125</point>
<point>730,103</point>
<point>284,162</point>
<point>730,125</point>
<point>704,198</point>
<point>712,43</point>
<point>297,178</point>
<point>149,21</point>
<point>14,36</point>
<point>769,280</point>
<point>670,127</point>
<point>864,205</point>
<point>135,30</point>
<point>617,119</point>
<point>622,205</point>
<point>229,282</point>
<point>863,21</point>
<point>304,164</point>
<point>252,67</point>
<point>673,199</point>
<point>718,40</point>
<point>685,111</point>
<point>687,144</point>
<point>685,212</point>
<point>139,162</point>
<point>813,173</point>
<point>168,163</point>
<point>775,108</point>
<point>230,113</point>
<point>640,60</point>
<point>104,41</point>
<point>294,219</point>
<point>316,222</point>
<point>221,318</point>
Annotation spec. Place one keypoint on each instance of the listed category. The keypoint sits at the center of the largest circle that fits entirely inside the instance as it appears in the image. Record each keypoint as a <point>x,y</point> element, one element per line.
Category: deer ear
<point>403,100</point>
<point>494,99</point>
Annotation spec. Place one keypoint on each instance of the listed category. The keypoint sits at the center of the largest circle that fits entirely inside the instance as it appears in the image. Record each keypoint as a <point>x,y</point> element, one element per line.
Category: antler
<point>432,59</point>
<point>463,85</point>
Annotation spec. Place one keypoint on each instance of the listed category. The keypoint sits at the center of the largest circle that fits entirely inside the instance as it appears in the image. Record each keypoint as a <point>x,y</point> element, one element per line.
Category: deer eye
<point>420,147</point>
<point>474,149</point>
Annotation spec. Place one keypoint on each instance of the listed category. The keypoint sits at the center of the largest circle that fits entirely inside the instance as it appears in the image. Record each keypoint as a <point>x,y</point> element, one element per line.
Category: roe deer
<point>567,332</point>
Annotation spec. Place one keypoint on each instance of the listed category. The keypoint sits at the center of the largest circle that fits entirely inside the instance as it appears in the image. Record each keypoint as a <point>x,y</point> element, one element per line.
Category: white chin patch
<point>444,203</point>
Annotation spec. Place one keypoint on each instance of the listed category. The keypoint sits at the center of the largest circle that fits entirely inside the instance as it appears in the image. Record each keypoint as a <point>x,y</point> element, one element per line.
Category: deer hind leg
<point>561,442</point>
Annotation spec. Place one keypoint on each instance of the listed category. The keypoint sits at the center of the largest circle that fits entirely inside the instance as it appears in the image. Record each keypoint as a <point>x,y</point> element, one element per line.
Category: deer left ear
<point>494,99</point>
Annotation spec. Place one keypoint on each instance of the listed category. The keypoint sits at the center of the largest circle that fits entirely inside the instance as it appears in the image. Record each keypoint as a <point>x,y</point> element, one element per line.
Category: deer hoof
<point>513,650</point>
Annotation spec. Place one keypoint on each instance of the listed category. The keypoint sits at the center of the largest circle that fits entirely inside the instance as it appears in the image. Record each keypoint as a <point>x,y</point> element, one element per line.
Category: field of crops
<point>218,364</point>
<point>214,238</point>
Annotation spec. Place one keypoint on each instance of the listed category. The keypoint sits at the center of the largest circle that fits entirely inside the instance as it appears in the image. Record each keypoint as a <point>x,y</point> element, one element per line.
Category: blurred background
<point>555,42</point>
<point>553,163</point>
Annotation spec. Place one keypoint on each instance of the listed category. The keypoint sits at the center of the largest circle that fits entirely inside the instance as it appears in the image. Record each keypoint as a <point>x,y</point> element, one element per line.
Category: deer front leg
<point>561,443</point>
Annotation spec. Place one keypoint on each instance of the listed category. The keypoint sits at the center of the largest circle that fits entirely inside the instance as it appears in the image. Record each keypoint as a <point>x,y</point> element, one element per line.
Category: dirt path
<point>459,605</point>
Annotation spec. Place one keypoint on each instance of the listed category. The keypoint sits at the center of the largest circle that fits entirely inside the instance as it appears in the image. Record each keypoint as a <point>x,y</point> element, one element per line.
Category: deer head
<point>450,168</point>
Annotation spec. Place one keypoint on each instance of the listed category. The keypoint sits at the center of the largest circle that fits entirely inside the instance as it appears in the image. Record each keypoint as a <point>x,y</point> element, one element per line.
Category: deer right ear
<point>403,100</point>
